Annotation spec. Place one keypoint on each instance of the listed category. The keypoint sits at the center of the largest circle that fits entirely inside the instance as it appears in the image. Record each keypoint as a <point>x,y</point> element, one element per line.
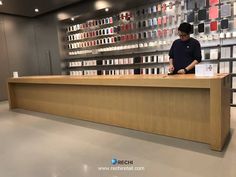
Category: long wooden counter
<point>183,106</point>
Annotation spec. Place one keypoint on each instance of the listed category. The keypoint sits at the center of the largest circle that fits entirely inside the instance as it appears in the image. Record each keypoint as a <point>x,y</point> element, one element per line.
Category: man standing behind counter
<point>185,52</point>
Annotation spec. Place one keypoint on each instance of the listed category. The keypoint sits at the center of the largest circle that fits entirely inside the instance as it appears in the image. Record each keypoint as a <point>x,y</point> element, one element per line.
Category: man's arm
<point>189,67</point>
<point>192,65</point>
<point>171,56</point>
<point>171,66</point>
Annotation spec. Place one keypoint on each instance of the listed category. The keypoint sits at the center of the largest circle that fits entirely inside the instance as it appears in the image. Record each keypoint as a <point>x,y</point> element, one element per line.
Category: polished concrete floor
<point>41,145</point>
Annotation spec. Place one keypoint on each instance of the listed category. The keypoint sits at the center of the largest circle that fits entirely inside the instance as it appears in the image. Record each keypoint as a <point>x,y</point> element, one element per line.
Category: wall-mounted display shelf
<point>137,41</point>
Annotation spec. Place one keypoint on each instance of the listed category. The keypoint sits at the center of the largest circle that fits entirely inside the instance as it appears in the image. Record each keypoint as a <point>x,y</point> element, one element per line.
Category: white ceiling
<point>26,7</point>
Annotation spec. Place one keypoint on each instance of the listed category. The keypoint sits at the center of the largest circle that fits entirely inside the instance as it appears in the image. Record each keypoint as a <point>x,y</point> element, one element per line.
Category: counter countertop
<point>160,80</point>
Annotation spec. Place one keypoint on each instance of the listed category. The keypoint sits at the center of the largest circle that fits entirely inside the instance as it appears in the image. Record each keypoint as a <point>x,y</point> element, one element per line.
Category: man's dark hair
<point>185,28</point>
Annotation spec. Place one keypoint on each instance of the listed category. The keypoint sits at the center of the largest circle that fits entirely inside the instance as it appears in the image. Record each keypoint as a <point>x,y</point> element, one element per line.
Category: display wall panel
<point>234,10</point>
<point>214,26</point>
<point>225,10</point>
<point>234,51</point>
<point>165,24</point>
<point>4,67</point>
<point>21,46</point>
<point>191,4</point>
<point>18,51</point>
<point>224,24</point>
<point>234,82</point>
<point>224,67</point>
<point>225,52</point>
<point>213,2</point>
<point>157,29</point>
<point>202,14</point>
<point>191,17</point>
<point>200,4</point>
<point>47,42</point>
<point>234,98</point>
<point>234,67</point>
<point>213,12</point>
<point>214,54</point>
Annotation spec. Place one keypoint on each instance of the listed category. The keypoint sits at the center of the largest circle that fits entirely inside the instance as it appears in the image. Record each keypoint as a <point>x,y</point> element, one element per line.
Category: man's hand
<point>171,68</point>
<point>181,71</point>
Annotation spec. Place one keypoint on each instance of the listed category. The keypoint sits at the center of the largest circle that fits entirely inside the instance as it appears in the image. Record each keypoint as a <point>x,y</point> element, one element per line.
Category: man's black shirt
<point>184,53</point>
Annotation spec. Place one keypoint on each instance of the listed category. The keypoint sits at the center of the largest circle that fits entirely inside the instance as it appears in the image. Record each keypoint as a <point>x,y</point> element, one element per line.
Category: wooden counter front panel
<point>219,112</point>
<point>177,112</point>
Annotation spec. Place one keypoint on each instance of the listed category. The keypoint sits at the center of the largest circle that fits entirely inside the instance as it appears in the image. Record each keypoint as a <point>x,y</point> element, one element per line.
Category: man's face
<point>183,36</point>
